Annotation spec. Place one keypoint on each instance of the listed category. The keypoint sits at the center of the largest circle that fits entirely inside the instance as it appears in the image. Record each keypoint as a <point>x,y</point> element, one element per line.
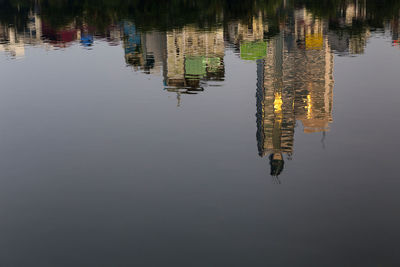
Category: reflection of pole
<point>323,139</point>
<point>178,97</point>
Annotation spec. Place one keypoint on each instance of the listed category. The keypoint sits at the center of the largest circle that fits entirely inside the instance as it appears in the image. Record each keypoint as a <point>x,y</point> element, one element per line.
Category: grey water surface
<point>259,135</point>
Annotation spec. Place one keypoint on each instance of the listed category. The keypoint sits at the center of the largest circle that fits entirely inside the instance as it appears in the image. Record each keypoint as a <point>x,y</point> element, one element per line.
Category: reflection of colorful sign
<point>314,41</point>
<point>253,50</point>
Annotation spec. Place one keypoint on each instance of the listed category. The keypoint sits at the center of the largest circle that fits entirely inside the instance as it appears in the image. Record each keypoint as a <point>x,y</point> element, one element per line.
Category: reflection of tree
<point>168,14</point>
<point>15,13</point>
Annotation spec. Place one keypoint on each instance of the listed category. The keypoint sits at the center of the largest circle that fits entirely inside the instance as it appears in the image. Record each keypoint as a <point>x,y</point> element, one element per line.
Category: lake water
<point>199,133</point>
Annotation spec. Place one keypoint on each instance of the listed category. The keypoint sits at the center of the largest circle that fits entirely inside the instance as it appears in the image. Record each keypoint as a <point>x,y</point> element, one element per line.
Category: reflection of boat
<point>86,39</point>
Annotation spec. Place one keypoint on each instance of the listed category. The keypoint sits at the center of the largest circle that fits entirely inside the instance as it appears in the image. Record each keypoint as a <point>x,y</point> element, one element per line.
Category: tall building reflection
<point>294,81</point>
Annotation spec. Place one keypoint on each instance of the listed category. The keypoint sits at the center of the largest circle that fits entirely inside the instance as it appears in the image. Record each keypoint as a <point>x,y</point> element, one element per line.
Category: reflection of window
<point>314,41</point>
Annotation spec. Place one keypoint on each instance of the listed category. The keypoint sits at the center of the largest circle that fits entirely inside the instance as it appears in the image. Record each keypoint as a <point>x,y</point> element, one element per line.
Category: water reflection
<point>291,42</point>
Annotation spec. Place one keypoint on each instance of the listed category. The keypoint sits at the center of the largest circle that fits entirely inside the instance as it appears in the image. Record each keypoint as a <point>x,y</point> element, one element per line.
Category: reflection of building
<point>13,41</point>
<point>350,36</point>
<point>295,83</point>
<point>188,56</point>
<point>35,33</point>
<point>252,31</point>
<point>193,56</point>
<point>143,51</point>
<point>248,39</point>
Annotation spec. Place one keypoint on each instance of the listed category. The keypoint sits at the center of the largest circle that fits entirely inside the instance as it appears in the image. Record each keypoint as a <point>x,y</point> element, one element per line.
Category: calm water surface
<point>199,133</point>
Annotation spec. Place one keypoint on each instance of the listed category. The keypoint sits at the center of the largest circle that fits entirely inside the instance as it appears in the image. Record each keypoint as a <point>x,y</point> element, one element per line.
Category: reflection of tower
<point>294,83</point>
<point>275,117</point>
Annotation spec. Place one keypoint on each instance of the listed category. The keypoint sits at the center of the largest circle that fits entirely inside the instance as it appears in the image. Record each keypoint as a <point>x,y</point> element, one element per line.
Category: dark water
<point>199,133</point>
